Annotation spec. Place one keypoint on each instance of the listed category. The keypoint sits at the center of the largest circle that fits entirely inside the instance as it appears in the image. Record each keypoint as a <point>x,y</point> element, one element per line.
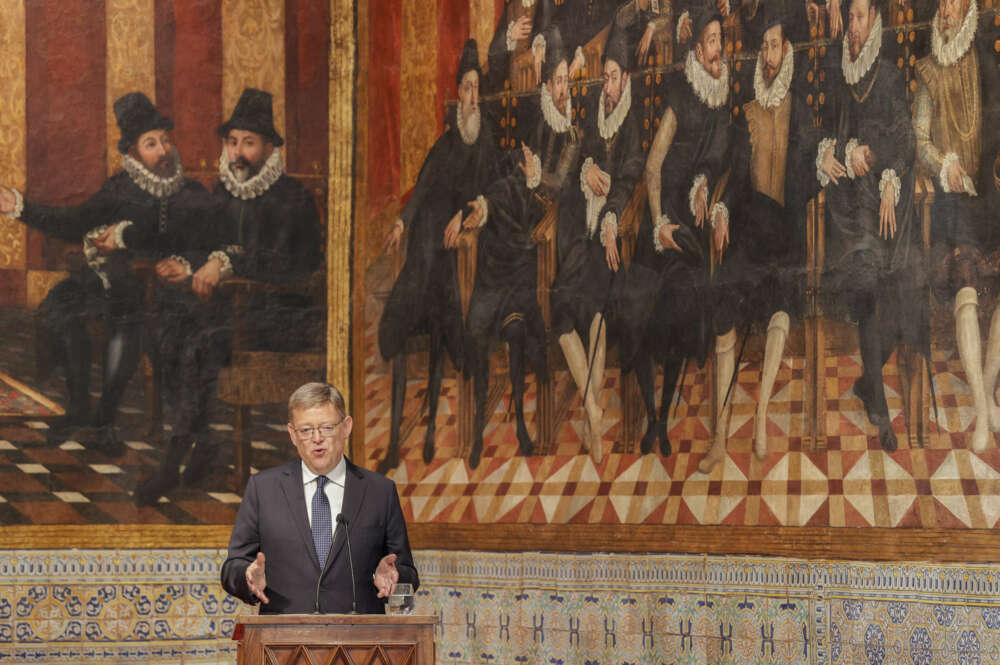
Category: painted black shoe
<point>665,449</point>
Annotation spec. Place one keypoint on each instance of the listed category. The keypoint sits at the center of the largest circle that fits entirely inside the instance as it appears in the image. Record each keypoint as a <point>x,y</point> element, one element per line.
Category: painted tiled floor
<point>851,482</point>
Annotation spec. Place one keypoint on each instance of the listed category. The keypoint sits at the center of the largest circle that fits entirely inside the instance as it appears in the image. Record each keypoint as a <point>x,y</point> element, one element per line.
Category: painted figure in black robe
<point>691,188</point>
<point>272,235</point>
<point>583,294</point>
<point>956,115</point>
<point>504,302</point>
<point>425,298</point>
<point>520,23</point>
<point>873,268</point>
<point>760,279</point>
<point>149,211</point>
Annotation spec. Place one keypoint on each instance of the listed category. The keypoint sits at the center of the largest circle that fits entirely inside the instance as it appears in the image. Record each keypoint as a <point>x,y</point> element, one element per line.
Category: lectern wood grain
<point>335,639</point>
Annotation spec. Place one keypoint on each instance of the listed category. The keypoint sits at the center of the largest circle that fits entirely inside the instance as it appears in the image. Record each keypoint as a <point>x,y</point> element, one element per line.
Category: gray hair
<point>316,394</point>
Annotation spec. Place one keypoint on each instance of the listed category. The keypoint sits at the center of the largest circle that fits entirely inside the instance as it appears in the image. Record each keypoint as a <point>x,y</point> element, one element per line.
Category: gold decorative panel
<point>417,87</point>
<point>40,282</point>
<point>253,53</point>
<point>131,60</point>
<point>13,165</point>
<point>481,25</point>
<point>338,250</point>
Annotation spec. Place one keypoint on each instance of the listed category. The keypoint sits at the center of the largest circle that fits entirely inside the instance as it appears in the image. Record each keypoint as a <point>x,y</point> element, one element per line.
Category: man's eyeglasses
<point>324,431</point>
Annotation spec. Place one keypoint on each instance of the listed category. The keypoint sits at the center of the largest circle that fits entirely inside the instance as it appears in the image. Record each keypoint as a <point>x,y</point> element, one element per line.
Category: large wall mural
<point>577,265</point>
<point>702,264</point>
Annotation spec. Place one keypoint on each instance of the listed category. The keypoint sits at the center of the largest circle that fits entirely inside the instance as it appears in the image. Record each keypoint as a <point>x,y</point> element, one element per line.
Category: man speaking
<point>320,534</point>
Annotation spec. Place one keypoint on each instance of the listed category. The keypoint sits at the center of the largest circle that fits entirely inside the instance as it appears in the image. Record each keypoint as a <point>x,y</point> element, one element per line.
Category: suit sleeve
<point>244,544</point>
<point>398,542</point>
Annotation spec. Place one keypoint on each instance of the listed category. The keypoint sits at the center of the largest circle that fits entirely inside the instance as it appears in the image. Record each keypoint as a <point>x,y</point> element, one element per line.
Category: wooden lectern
<point>335,639</point>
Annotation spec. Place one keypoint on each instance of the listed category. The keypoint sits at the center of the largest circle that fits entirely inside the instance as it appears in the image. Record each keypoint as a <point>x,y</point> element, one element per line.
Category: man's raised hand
<point>256,580</point>
<point>386,576</point>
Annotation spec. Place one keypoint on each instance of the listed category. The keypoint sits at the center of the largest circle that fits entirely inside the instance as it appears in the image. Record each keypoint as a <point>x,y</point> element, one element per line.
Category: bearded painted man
<point>272,234</point>
<point>149,210</point>
<point>588,244</point>
<point>691,188</point>
<point>762,273</point>
<point>504,301</point>
<point>955,120</point>
<point>873,269</point>
<point>460,166</point>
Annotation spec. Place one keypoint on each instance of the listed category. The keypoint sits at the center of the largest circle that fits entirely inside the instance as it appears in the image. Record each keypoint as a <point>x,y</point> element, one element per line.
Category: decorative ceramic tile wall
<point>165,606</point>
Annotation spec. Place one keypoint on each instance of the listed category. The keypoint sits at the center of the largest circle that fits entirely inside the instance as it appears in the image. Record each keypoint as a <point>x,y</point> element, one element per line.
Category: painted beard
<point>468,125</point>
<point>610,103</point>
<point>242,169</point>
<point>165,166</point>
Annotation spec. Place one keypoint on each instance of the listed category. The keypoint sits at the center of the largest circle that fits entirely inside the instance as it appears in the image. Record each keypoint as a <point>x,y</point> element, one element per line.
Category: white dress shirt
<point>334,490</point>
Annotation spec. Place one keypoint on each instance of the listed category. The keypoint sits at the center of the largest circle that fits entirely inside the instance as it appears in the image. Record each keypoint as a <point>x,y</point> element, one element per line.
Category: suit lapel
<point>295,495</point>
<point>354,496</point>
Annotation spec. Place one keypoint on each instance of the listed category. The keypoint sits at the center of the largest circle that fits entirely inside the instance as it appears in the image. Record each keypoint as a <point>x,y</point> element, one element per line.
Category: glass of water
<point>401,600</point>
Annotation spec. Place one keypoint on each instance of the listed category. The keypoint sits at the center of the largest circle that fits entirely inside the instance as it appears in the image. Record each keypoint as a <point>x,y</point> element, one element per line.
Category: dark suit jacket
<point>272,519</point>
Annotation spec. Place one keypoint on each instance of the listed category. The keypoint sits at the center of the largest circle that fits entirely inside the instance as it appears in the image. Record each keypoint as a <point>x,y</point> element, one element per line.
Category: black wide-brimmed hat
<point>136,115</point>
<point>469,61</point>
<point>555,52</point>
<point>702,18</point>
<point>616,48</point>
<point>253,114</point>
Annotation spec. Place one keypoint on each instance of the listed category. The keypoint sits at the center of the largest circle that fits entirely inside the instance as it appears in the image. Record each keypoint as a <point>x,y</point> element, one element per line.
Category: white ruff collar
<point>712,91</point>
<point>855,70</point>
<point>258,184</point>
<point>527,3</point>
<point>950,52</point>
<point>151,183</point>
<point>559,122</point>
<point>770,96</point>
<point>610,125</point>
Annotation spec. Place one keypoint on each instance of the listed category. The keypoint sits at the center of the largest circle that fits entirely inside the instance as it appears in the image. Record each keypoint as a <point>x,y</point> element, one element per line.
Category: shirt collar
<point>337,475</point>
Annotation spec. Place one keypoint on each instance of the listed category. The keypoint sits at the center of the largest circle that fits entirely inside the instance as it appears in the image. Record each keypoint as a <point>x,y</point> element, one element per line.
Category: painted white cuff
<point>120,233</point>
<point>539,42</point>
<point>481,200</point>
<point>184,264</point>
<point>595,203</point>
<point>227,265</point>
<point>889,176</point>
<point>18,205</point>
<point>511,42</point>
<point>656,233</point>
<point>400,223</point>
<point>536,177</point>
<point>578,54</point>
<point>848,158</point>
<point>610,223</point>
<point>699,180</point>
<point>824,145</point>
<point>720,214</point>
<point>680,21</point>
<point>949,159</point>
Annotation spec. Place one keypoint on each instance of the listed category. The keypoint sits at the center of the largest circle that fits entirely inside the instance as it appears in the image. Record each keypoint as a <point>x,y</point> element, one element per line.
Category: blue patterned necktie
<point>322,524</point>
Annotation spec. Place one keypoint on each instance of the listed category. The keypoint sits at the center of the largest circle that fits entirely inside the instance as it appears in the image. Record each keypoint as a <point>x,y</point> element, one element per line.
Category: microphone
<point>350,562</point>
